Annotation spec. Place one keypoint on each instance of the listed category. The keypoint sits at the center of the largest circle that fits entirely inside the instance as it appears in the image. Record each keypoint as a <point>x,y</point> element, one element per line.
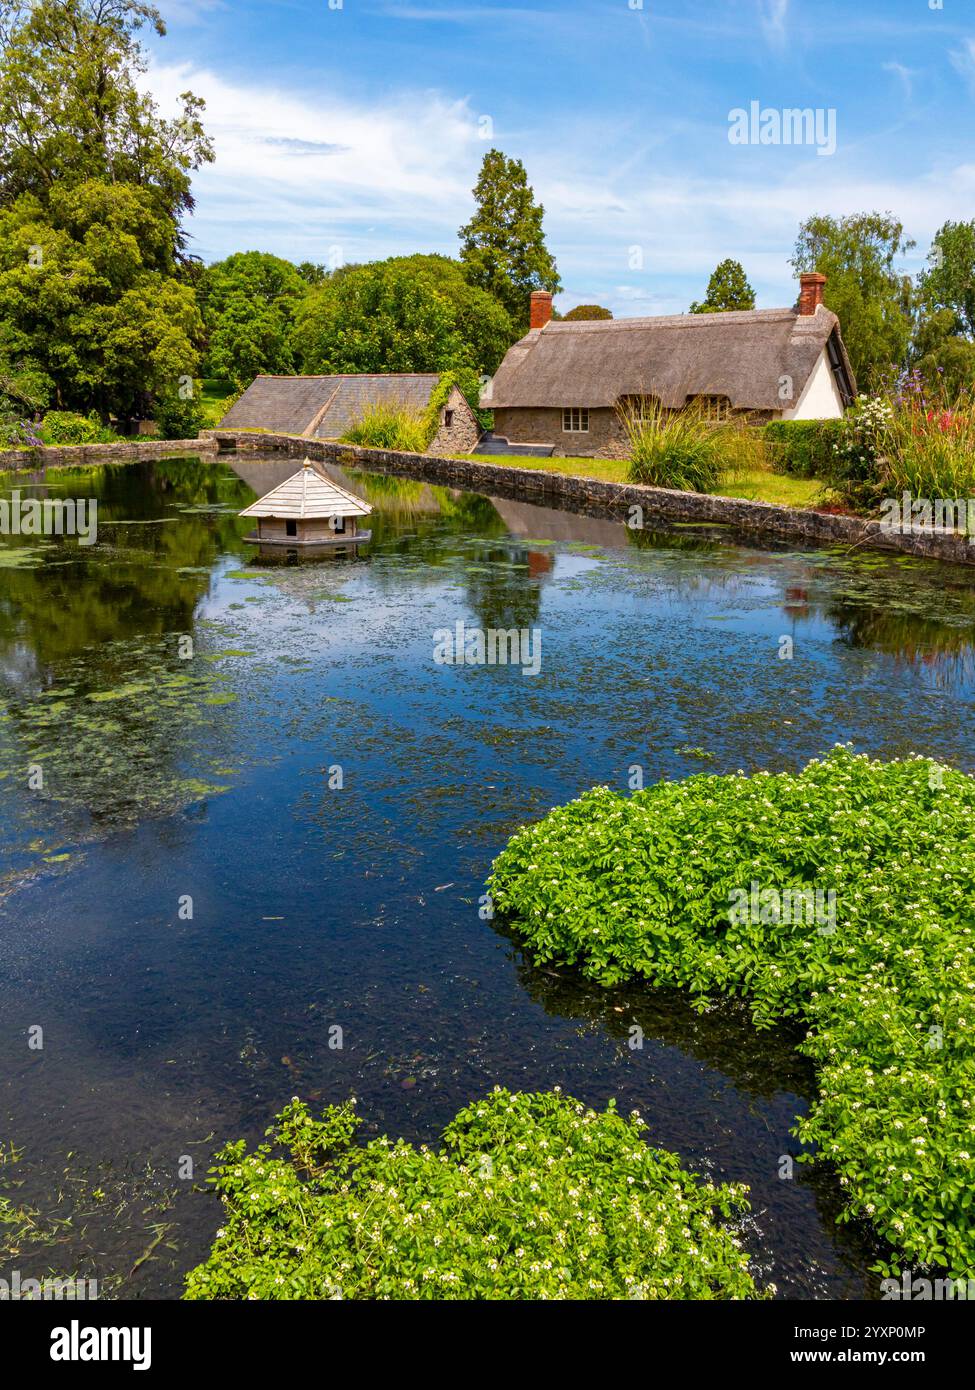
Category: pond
<point>247,817</point>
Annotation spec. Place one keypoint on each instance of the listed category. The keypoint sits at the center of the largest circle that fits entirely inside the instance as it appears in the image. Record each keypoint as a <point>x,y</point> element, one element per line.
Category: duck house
<point>308,509</point>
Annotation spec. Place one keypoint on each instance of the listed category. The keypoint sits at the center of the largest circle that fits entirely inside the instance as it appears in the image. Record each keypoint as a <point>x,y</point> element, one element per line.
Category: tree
<point>503,246</point>
<point>944,357</point>
<point>84,302</point>
<point>481,321</point>
<point>376,318</point>
<point>950,282</point>
<point>585,312</point>
<point>249,302</point>
<point>96,294</point>
<point>727,289</point>
<point>407,314</point>
<point>71,108</point>
<point>857,254</point>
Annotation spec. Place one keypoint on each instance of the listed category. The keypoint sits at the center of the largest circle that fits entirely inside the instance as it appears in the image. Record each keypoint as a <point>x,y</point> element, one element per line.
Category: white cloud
<point>773,17</point>
<point>300,172</point>
<point>963,61</point>
<point>904,75</point>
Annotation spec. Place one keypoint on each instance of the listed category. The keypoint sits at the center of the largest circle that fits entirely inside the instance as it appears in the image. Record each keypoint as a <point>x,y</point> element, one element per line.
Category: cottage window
<point>448,418</point>
<point>291,528</point>
<point>640,409</point>
<point>575,420</point>
<point>713,408</point>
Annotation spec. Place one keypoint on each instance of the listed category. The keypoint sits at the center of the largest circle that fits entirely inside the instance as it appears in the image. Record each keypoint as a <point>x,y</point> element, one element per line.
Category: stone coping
<point>596,497</point>
<point>127,451</point>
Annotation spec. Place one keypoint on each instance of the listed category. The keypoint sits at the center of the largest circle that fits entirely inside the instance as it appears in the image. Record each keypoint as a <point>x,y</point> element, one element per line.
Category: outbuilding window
<point>575,420</point>
<point>291,528</point>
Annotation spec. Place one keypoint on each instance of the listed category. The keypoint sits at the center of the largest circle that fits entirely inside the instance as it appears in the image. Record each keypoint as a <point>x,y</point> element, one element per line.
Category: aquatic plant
<point>531,1196</point>
<point>683,884</point>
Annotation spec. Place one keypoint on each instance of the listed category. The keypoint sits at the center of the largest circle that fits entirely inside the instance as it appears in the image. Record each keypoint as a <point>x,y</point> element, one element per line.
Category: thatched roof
<point>324,407</point>
<point>741,355</point>
<point>308,495</point>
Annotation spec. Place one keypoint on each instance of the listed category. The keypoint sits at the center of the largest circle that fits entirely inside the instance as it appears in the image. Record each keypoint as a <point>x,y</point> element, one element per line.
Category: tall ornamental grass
<point>386,426</point>
<point>684,449</point>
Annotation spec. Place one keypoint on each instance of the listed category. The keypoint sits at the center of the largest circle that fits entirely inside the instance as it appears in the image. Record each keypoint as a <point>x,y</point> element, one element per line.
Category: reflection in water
<point>206,772</point>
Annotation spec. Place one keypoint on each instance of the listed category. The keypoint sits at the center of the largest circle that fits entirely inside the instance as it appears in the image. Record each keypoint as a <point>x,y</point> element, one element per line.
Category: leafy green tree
<point>407,314</point>
<point>950,282</point>
<point>84,303</point>
<point>376,318</point>
<point>944,357</point>
<point>481,321</point>
<point>72,109</point>
<point>728,288</point>
<point>96,295</point>
<point>503,245</point>
<point>857,254</point>
<point>248,302</point>
<point>585,312</point>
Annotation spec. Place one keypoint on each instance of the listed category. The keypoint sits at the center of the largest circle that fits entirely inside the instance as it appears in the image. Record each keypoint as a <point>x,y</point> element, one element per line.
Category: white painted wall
<point>820,398</point>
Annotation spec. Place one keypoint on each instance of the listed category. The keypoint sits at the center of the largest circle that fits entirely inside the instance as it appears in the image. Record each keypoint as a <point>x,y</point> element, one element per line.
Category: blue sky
<point>353,133</point>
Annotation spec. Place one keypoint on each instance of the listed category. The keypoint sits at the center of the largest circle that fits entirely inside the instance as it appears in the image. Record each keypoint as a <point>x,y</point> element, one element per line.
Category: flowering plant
<point>642,887</point>
<point>530,1197</point>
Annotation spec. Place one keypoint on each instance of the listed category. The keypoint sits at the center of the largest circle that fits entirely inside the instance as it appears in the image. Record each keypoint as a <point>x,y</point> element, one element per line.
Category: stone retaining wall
<point>73,455</point>
<point>593,497</point>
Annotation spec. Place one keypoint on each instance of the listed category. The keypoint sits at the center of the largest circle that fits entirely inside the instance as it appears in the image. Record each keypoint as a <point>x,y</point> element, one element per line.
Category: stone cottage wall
<point>462,434</point>
<point>606,438</point>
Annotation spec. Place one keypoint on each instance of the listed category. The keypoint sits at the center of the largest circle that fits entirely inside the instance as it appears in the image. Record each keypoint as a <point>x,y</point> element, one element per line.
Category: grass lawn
<point>212,397</point>
<point>758,485</point>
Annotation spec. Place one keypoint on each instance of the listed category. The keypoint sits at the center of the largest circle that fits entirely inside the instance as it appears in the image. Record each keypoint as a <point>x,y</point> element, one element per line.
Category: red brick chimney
<point>810,292</point>
<point>541,308</point>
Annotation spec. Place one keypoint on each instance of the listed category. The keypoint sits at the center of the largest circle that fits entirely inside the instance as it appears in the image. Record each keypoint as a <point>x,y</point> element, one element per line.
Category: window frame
<point>581,412</point>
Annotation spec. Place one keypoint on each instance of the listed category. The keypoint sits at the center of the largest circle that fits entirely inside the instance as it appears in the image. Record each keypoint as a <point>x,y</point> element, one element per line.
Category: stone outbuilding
<point>566,383</point>
<point>326,407</point>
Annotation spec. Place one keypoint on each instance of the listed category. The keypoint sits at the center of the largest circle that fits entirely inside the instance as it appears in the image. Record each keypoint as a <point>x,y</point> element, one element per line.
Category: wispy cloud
<point>963,61</point>
<point>774,18</point>
<point>904,75</point>
<point>377,171</point>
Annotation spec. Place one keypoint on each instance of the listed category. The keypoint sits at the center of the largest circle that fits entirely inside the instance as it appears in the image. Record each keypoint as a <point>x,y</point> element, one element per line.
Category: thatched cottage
<point>325,407</point>
<point>565,383</point>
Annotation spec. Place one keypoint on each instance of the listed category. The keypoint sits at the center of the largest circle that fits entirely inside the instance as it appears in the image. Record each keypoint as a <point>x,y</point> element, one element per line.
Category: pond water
<point>207,771</point>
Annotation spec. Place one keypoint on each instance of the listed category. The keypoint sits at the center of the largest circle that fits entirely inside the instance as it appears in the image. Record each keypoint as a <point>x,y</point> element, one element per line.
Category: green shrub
<point>650,887</point>
<point>684,449</point>
<point>179,417</point>
<point>803,448</point>
<point>530,1197</point>
<point>387,426</point>
<point>65,427</point>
